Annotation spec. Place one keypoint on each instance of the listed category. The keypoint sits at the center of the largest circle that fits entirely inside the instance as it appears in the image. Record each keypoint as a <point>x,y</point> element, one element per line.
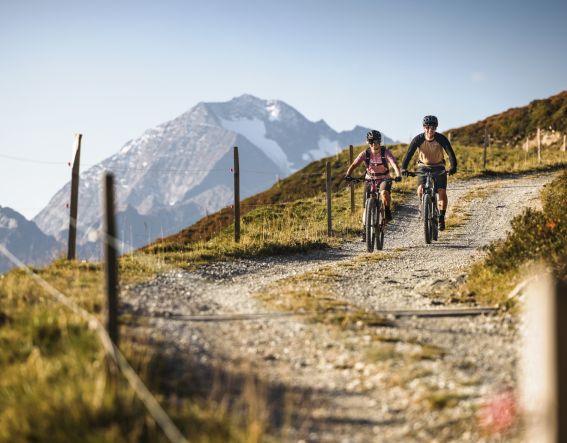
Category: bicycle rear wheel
<point>370,224</point>
<point>427,215</point>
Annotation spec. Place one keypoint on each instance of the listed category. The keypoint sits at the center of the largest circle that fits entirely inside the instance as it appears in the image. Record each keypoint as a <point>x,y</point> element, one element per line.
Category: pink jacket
<point>376,167</point>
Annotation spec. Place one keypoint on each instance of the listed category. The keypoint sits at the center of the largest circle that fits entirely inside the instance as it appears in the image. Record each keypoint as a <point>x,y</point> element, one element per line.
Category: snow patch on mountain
<point>274,110</point>
<point>325,148</point>
<point>255,131</point>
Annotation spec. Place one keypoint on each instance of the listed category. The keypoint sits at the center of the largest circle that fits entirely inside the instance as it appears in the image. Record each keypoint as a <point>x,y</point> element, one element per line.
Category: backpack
<point>382,154</point>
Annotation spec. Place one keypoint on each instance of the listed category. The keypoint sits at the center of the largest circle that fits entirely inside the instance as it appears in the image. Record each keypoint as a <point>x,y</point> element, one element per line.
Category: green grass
<point>311,295</point>
<point>444,399</point>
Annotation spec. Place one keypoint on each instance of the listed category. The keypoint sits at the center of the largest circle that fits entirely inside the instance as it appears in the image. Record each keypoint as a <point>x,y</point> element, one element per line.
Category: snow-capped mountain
<point>25,240</point>
<point>178,171</point>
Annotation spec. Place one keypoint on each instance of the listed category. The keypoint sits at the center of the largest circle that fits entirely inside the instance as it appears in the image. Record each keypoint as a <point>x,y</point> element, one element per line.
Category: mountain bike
<point>428,205</point>
<point>374,217</point>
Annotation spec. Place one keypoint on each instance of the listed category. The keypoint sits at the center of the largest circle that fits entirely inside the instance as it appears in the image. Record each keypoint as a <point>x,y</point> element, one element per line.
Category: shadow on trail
<point>452,246</point>
<point>247,397</point>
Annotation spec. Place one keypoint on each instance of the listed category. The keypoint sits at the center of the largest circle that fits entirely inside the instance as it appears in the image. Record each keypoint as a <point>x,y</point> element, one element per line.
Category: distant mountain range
<point>512,127</point>
<point>179,171</point>
<point>25,240</point>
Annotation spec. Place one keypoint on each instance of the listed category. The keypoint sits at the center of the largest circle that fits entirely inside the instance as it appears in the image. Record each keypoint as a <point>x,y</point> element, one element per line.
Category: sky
<point>112,69</point>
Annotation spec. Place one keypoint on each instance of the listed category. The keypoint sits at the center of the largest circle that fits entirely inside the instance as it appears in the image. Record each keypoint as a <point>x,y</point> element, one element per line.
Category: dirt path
<point>421,380</point>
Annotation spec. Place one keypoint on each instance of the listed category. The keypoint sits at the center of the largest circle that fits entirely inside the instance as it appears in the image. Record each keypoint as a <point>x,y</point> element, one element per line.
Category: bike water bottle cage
<point>382,154</point>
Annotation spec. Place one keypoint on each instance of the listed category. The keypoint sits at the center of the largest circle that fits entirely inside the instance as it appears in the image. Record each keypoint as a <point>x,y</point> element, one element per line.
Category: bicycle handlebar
<point>363,178</point>
<point>417,173</point>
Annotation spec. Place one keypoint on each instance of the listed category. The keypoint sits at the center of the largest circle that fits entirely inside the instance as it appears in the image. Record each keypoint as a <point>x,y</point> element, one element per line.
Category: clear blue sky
<point>111,69</point>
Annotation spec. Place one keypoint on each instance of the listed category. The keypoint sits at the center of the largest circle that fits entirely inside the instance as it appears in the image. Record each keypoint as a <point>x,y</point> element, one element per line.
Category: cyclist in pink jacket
<point>377,160</point>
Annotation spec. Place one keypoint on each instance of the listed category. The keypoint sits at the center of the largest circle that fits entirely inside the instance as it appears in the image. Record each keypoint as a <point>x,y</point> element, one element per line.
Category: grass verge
<point>56,385</point>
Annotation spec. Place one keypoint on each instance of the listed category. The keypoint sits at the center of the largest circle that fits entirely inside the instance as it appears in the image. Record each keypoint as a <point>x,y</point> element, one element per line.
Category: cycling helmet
<point>430,120</point>
<point>374,136</point>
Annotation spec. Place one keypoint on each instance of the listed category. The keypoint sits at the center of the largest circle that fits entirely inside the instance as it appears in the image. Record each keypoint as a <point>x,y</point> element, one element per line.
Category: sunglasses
<point>430,127</point>
<point>372,142</point>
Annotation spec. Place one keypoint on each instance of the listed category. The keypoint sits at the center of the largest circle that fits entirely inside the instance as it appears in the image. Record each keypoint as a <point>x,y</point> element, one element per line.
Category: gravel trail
<point>421,380</point>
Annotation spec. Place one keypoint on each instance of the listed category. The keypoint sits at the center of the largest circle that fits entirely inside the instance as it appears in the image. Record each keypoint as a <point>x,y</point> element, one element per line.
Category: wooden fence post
<point>110,257</point>
<point>328,187</point>
<point>538,145</point>
<point>72,243</point>
<point>543,368</point>
<point>485,146</point>
<point>236,196</point>
<point>527,145</point>
<point>351,159</point>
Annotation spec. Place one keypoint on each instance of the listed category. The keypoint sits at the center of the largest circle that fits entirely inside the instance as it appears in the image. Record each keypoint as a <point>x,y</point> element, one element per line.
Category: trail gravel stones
<point>422,380</point>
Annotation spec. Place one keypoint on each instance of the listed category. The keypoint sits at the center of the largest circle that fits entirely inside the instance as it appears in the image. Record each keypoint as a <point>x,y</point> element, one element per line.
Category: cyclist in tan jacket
<point>430,145</point>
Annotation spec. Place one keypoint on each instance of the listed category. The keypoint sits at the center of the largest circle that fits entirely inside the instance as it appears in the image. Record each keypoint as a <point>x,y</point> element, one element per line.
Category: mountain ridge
<point>25,240</point>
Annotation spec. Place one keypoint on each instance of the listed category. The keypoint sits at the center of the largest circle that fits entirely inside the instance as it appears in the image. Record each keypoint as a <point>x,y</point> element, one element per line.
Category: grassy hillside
<point>510,128</point>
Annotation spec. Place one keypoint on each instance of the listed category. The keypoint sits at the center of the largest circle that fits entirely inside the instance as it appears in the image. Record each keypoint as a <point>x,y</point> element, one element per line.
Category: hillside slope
<point>512,127</point>
<point>308,182</point>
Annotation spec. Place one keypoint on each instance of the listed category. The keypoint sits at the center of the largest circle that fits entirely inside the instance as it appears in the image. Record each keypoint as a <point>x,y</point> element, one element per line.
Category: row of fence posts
<point>110,247</point>
<point>328,185</point>
<point>71,251</point>
<point>486,143</point>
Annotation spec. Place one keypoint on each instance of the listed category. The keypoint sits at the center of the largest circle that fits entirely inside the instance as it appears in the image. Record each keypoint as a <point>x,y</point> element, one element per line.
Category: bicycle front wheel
<point>380,225</point>
<point>434,220</point>
<point>370,223</point>
<point>427,215</point>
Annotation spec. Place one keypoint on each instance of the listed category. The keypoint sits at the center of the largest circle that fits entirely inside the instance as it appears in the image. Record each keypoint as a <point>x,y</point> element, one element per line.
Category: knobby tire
<point>427,215</point>
<point>380,226</point>
<point>370,224</point>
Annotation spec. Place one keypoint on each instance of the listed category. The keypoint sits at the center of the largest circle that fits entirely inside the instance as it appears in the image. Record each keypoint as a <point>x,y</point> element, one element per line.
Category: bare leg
<point>386,199</point>
<point>420,196</point>
<point>442,205</point>
<point>443,200</point>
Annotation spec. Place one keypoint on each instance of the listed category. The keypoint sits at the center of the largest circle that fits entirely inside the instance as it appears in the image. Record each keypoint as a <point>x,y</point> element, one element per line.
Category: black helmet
<point>374,136</point>
<point>430,120</point>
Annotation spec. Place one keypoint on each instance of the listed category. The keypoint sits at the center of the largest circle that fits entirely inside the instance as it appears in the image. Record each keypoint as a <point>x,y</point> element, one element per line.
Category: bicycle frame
<point>374,219</point>
<point>428,205</point>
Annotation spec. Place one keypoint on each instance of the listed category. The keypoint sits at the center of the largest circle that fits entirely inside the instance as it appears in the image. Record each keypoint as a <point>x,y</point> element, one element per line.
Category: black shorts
<point>439,180</point>
<point>384,186</point>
